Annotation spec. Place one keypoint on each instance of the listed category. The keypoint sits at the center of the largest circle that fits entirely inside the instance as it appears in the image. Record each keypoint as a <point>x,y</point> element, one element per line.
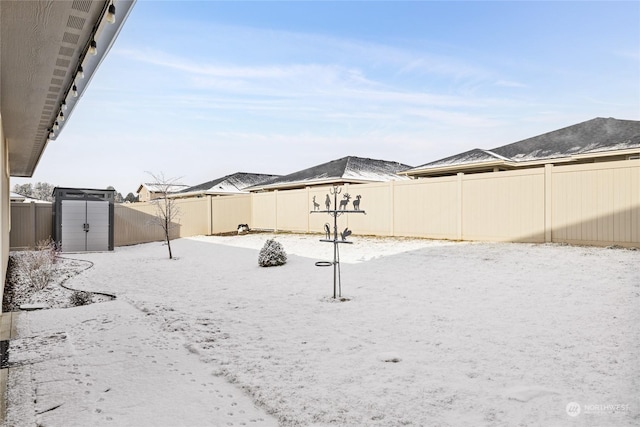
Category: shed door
<point>84,225</point>
<point>98,226</point>
<point>74,214</point>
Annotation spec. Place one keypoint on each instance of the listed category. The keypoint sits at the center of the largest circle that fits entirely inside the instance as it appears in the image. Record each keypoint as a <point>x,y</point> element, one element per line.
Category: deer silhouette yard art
<point>338,209</point>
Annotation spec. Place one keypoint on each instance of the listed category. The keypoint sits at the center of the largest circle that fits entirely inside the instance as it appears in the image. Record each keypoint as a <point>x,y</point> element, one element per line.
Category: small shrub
<point>37,266</point>
<point>272,254</point>
<point>79,298</point>
<point>49,247</point>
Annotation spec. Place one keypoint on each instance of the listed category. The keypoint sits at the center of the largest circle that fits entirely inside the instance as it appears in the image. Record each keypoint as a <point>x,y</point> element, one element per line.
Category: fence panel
<point>504,206</point>
<point>192,217</point>
<point>376,201</point>
<point>293,210</point>
<point>30,224</point>
<point>227,212</point>
<point>426,208</point>
<point>135,223</point>
<point>138,222</point>
<point>263,211</point>
<point>597,203</point>
<point>44,221</point>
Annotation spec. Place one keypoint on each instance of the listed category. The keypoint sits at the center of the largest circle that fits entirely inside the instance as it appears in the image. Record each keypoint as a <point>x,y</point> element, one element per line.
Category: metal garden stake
<point>337,210</point>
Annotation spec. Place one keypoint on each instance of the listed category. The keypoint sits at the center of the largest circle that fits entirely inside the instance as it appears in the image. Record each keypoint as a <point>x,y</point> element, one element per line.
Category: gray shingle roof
<point>596,135</point>
<point>346,169</point>
<point>234,183</point>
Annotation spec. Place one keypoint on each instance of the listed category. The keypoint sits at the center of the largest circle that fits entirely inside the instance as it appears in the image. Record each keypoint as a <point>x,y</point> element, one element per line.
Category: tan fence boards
<point>595,204</point>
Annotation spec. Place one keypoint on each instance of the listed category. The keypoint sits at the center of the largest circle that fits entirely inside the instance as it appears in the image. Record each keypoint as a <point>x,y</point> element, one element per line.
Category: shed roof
<point>348,169</point>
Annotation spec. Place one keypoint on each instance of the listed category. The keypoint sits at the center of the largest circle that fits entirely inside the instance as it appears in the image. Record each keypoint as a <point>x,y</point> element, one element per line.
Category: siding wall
<point>594,204</point>
<point>5,207</point>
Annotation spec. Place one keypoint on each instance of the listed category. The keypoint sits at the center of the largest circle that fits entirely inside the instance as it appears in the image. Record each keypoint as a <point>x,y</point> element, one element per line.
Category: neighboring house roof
<point>468,157</point>
<point>230,184</point>
<point>345,170</point>
<point>160,188</point>
<point>43,44</point>
<point>15,197</point>
<point>594,137</point>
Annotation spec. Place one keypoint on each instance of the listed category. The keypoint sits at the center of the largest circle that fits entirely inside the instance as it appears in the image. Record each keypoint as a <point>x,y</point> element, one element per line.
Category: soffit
<point>41,45</point>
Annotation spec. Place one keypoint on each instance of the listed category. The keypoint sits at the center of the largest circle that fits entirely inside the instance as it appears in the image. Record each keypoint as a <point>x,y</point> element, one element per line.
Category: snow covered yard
<point>433,333</point>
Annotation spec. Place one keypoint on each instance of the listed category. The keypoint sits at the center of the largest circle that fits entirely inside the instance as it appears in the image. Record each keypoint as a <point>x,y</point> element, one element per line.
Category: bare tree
<point>41,190</point>
<point>131,198</point>
<point>167,212</point>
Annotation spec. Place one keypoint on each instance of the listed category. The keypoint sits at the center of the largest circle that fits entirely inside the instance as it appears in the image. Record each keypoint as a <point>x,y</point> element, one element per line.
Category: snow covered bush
<point>272,254</point>
<point>37,266</point>
<point>79,298</point>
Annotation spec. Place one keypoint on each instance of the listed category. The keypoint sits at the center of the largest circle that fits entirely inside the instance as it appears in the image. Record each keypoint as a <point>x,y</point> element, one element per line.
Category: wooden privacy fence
<point>594,204</point>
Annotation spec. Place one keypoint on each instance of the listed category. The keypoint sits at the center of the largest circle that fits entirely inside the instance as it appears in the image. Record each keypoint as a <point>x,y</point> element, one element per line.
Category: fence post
<point>275,202</point>
<point>459,222</point>
<point>252,217</point>
<point>33,224</point>
<point>548,201</point>
<point>392,207</point>
<point>209,215</point>
<point>308,216</point>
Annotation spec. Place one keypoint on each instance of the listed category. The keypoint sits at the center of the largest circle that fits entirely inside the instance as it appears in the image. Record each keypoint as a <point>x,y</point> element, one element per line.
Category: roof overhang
<point>42,44</point>
<point>591,154</point>
<point>307,183</point>
<point>203,193</point>
<point>15,197</point>
<point>437,170</point>
<point>509,165</point>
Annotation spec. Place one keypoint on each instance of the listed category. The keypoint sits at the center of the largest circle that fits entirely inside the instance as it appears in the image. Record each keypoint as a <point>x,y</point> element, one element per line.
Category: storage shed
<point>83,219</point>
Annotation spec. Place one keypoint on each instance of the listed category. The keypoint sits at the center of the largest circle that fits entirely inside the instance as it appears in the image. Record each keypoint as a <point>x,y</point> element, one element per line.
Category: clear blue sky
<point>202,89</point>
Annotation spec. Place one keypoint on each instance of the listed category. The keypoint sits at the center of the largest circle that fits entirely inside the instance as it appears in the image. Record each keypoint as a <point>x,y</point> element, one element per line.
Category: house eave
<point>416,173</point>
<point>453,168</point>
<point>309,183</point>
<point>41,53</point>
<point>608,153</point>
<point>203,193</point>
